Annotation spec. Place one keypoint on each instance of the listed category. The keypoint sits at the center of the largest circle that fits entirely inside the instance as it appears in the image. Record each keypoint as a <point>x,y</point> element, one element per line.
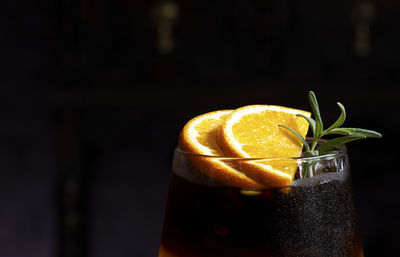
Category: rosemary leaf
<point>316,125</point>
<point>298,135</point>
<point>310,153</point>
<point>355,132</point>
<point>310,121</point>
<point>319,127</point>
<point>333,143</point>
<point>339,121</point>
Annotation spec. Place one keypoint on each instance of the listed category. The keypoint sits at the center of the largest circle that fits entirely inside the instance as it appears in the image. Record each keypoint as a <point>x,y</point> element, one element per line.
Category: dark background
<point>95,92</point>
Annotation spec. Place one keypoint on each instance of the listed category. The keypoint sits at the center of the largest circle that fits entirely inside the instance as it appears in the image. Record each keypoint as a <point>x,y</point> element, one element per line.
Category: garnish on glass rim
<point>317,128</point>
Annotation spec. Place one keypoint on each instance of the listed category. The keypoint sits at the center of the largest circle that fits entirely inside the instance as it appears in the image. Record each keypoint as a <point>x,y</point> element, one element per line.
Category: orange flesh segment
<point>207,134</point>
<point>199,136</point>
<point>261,137</point>
<point>253,132</point>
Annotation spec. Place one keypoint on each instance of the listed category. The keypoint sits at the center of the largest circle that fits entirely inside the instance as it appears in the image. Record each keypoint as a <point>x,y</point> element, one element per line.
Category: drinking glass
<point>313,217</point>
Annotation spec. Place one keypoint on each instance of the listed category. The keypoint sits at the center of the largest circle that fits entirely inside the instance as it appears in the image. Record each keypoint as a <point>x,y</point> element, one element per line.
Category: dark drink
<point>314,217</point>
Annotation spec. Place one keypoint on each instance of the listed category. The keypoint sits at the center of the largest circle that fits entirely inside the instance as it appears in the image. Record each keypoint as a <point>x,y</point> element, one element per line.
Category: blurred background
<point>95,92</point>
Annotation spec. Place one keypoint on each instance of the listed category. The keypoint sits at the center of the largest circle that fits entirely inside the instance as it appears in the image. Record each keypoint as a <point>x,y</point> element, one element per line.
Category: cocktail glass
<point>313,217</point>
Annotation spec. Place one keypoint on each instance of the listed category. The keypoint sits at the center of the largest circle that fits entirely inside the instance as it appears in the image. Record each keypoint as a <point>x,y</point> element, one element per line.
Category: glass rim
<point>340,151</point>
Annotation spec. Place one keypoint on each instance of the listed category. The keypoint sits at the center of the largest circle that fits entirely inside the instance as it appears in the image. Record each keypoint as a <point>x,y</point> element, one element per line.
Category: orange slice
<point>253,132</point>
<point>199,136</point>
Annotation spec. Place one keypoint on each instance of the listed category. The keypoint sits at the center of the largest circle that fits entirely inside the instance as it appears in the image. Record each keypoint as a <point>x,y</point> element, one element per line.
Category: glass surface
<point>314,216</point>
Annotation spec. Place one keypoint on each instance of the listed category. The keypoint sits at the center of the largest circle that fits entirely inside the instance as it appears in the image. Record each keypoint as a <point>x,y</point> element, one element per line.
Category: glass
<point>314,216</point>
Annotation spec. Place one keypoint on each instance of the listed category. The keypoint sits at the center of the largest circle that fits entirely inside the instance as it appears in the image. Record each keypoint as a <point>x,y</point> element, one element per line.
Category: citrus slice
<point>199,136</point>
<point>253,132</point>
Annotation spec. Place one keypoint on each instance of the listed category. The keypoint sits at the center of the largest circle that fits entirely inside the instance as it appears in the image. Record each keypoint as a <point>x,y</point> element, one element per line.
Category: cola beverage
<point>313,217</point>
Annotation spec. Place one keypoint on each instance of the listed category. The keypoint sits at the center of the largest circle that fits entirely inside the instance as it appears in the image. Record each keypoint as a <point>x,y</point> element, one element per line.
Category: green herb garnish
<point>317,128</point>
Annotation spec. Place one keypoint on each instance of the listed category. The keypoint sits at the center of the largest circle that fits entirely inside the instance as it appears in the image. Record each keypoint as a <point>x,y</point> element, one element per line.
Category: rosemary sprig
<point>317,128</point>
